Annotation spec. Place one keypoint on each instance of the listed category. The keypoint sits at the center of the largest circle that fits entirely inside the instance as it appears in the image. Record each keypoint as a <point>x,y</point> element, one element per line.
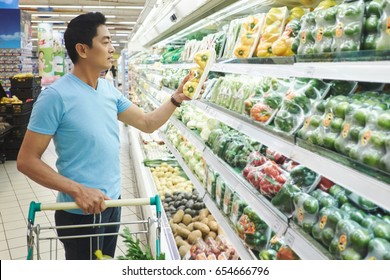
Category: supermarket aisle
<point>17,191</point>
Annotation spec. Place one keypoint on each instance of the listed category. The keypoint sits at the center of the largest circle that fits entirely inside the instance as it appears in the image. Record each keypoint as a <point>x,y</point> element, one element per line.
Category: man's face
<point>100,55</point>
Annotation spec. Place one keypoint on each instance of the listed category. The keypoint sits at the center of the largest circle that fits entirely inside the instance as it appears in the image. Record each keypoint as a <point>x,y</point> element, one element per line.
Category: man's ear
<point>81,50</point>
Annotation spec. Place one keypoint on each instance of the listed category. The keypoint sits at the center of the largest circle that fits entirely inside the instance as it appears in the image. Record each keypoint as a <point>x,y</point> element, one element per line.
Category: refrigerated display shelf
<point>378,191</point>
<point>146,188</point>
<point>223,222</point>
<point>300,242</point>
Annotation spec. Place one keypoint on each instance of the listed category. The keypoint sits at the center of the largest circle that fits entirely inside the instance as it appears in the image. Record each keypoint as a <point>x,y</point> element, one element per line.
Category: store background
<point>156,42</point>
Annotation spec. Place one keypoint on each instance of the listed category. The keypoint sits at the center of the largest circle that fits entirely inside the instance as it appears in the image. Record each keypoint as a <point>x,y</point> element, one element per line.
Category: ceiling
<point>123,16</point>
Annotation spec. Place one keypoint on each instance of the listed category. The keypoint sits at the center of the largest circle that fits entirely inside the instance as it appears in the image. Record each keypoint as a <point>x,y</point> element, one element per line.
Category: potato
<point>174,228</point>
<point>183,232</point>
<point>211,217</point>
<point>205,221</point>
<point>213,225</point>
<point>190,227</point>
<point>212,234</point>
<point>203,213</point>
<point>183,250</point>
<point>187,219</point>
<point>178,217</point>
<point>202,227</point>
<point>193,236</point>
<point>179,241</point>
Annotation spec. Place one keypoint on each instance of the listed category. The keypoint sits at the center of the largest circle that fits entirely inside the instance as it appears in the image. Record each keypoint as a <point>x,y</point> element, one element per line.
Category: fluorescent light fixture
<point>115,45</point>
<point>123,42</point>
<point>120,35</point>
<point>34,39</point>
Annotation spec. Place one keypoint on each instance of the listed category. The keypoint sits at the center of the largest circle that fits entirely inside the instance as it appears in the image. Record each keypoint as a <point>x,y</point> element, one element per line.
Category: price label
<point>310,71</point>
<point>290,239</point>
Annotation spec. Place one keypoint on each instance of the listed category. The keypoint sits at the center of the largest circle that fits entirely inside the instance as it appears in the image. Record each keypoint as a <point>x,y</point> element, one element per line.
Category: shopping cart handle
<point>37,206</point>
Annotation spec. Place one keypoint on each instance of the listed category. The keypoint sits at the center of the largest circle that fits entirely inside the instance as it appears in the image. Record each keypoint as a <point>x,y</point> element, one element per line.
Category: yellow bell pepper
<point>282,47</point>
<point>195,74</point>
<point>264,50</point>
<point>201,58</point>
<point>189,88</point>
<point>248,39</point>
<point>242,51</point>
<point>295,13</point>
<point>251,23</point>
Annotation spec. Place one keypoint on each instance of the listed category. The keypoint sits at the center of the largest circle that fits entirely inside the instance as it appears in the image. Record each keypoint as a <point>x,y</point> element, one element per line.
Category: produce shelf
<point>223,222</point>
<point>273,217</point>
<point>146,188</point>
<point>373,189</point>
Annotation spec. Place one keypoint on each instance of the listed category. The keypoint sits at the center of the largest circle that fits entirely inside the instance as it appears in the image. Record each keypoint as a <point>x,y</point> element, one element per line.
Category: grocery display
<point>259,135</point>
<point>282,151</point>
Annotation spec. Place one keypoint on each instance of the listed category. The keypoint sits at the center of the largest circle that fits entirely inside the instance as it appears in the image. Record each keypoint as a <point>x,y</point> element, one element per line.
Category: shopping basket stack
<point>16,110</point>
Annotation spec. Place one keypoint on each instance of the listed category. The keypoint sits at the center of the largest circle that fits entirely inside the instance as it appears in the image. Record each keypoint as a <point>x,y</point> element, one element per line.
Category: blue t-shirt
<point>85,129</point>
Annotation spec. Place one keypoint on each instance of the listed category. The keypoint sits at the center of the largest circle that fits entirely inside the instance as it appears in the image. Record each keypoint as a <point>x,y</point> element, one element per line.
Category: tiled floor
<point>17,191</point>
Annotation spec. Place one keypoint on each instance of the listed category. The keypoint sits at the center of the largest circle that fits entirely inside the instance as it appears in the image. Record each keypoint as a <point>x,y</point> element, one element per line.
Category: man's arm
<point>30,163</point>
<point>149,122</point>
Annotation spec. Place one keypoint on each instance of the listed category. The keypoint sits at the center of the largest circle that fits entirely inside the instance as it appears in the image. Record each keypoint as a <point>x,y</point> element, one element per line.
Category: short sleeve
<point>47,113</point>
<point>122,102</point>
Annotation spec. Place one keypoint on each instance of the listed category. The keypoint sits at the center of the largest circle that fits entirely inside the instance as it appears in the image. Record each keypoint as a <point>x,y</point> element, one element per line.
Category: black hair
<point>82,29</point>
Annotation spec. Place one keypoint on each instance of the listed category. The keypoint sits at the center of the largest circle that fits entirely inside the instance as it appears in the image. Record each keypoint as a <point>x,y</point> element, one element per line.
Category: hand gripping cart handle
<point>37,206</point>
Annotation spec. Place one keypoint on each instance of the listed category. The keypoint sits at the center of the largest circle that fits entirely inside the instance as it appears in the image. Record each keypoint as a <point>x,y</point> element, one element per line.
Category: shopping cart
<point>35,232</point>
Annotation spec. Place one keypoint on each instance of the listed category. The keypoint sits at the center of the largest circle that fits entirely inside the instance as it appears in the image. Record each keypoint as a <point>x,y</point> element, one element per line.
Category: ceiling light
<point>120,35</point>
<point>47,21</point>
<point>115,45</point>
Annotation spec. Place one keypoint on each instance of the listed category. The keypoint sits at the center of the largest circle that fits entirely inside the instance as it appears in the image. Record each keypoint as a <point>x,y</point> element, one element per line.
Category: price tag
<point>289,239</point>
<point>276,227</point>
<point>310,71</point>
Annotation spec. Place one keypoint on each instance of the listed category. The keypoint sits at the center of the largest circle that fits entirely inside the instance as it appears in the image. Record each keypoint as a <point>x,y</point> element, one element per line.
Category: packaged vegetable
<point>283,46</point>
<point>271,30</point>
<point>305,39</point>
<point>349,24</point>
<point>249,36</point>
<point>227,200</point>
<point>283,200</point>
<point>306,211</point>
<point>220,192</point>
<point>237,209</point>
<point>376,27</point>
<point>378,249</point>
<point>325,228</point>
<point>211,181</point>
<point>350,241</point>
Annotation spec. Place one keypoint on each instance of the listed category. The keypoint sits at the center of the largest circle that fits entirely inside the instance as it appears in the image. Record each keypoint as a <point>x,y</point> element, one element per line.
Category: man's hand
<point>90,200</point>
<point>179,96</point>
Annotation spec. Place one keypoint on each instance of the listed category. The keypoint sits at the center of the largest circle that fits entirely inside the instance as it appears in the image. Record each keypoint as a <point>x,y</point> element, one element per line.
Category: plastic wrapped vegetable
<point>305,39</point>
<point>378,249</point>
<point>376,28</point>
<point>271,30</point>
<point>324,35</point>
<point>306,211</point>
<point>283,46</point>
<point>249,36</point>
<point>325,228</point>
<point>305,178</point>
<point>324,199</point>
<point>350,241</point>
<point>283,200</point>
<point>238,206</point>
<point>349,23</point>
<point>220,192</point>
<point>227,200</point>
<point>253,230</point>
<point>211,181</point>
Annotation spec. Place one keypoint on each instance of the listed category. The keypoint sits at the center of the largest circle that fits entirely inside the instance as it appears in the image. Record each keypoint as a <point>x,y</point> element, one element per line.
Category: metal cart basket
<point>37,233</point>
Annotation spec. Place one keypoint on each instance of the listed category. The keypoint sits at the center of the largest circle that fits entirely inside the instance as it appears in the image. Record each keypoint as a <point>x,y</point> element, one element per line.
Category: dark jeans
<point>80,248</point>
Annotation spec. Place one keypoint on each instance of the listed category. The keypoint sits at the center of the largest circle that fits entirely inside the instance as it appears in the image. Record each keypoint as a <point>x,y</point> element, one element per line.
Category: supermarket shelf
<point>231,235</point>
<point>252,130</point>
<point>364,185</point>
<point>276,220</point>
<point>145,189</point>
<point>304,245</point>
<point>364,71</point>
<point>262,70</point>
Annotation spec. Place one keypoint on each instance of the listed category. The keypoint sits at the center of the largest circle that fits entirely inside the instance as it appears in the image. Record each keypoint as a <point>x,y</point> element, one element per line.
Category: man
<point>80,112</point>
